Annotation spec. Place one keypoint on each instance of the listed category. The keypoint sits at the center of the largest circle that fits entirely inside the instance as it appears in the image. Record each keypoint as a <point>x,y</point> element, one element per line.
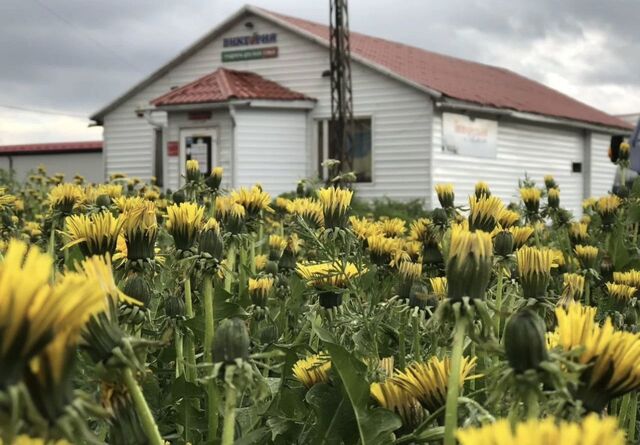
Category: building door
<point>199,144</point>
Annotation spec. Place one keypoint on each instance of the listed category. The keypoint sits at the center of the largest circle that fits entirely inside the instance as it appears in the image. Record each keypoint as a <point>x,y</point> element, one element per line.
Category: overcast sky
<point>74,56</point>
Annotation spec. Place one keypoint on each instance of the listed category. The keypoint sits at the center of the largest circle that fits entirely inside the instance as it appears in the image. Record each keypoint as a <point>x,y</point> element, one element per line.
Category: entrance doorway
<point>199,144</point>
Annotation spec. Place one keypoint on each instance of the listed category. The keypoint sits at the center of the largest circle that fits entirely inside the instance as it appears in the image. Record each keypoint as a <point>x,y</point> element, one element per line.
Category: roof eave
<point>302,104</point>
<point>456,105</point>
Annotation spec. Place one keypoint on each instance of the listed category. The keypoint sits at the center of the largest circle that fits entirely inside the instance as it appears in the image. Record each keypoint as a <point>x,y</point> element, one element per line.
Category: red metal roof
<point>223,85</point>
<point>51,148</point>
<point>462,79</point>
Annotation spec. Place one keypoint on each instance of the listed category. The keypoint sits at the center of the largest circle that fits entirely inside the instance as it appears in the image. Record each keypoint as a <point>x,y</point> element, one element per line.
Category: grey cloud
<point>45,62</point>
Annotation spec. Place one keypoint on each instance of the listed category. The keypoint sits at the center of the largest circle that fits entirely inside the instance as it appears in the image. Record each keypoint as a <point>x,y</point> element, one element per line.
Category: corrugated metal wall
<point>88,165</point>
<point>530,149</point>
<point>269,149</point>
<point>602,170</point>
<point>402,115</point>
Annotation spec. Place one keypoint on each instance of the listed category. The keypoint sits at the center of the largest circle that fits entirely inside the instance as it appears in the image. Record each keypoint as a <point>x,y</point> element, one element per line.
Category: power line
<point>87,36</point>
<point>41,111</point>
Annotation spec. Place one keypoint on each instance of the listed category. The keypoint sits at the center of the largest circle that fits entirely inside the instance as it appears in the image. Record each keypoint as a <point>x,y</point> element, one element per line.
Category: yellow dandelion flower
<point>184,222</point>
<point>312,370</point>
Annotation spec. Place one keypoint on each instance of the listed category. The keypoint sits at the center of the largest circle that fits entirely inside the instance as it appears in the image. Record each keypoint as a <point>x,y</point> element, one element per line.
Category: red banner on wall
<point>173,148</point>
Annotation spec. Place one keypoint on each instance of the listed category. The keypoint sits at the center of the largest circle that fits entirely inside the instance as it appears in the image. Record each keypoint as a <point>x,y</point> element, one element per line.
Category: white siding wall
<point>602,169</point>
<point>221,121</point>
<point>88,165</point>
<point>270,149</point>
<point>535,150</point>
<point>401,114</point>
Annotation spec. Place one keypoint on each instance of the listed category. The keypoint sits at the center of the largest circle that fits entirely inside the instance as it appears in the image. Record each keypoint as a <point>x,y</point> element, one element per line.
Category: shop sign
<point>465,136</point>
<point>253,39</point>
<point>173,148</point>
<point>250,54</point>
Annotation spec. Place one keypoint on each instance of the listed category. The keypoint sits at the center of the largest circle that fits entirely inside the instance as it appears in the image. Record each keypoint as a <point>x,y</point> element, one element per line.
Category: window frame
<point>323,152</point>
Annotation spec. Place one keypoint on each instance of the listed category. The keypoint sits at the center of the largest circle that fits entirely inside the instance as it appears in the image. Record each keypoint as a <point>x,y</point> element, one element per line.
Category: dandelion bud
<point>174,307</point>
<point>587,255</point>
<point>64,198</point>
<point>393,397</point>
<point>210,241</point>
<point>623,151</point>
<point>483,213</point>
<point>572,288</point>
<point>550,182</point>
<point>259,290</point>
<point>503,243</point>
<point>312,370</point>
<point>193,170</point>
<point>521,235</point>
<point>445,195</point>
<point>469,264</point>
<point>103,200</point>
<point>578,232</point>
<point>335,206</point>
<point>277,245</point>
<point>482,190</point>
<point>179,197</point>
<point>231,341</point>
<point>137,287</point>
<point>534,270</point>
<point>214,180</point>
<point>184,222</point>
<point>531,198</point>
<point>524,341</point>
<point>553,198</point>
<point>607,207</point>
<point>621,292</point>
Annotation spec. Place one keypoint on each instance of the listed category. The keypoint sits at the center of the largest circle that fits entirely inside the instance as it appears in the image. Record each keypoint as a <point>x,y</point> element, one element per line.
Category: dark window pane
<point>358,157</point>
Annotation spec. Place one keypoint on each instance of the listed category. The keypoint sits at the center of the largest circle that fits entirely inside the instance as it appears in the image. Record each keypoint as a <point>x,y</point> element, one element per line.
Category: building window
<point>157,168</point>
<point>358,157</point>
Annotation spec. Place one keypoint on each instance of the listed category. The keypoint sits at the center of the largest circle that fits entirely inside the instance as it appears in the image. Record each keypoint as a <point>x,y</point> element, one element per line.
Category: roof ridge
<point>223,82</point>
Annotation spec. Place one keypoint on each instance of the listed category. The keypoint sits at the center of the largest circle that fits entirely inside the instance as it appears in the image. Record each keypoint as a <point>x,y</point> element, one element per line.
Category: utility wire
<point>42,111</point>
<point>87,36</point>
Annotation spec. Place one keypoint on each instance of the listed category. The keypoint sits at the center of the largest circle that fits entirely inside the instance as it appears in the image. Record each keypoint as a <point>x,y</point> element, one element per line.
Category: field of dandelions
<point>211,316</point>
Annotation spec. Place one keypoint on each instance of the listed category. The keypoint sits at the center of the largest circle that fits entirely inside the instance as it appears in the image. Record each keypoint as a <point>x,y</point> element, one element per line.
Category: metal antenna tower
<point>341,90</point>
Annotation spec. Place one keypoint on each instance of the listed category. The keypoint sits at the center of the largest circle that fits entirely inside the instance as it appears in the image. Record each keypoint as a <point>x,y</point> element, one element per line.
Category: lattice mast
<point>341,90</point>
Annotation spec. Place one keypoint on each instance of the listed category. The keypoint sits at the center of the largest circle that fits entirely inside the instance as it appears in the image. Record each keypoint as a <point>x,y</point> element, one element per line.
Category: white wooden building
<point>253,97</point>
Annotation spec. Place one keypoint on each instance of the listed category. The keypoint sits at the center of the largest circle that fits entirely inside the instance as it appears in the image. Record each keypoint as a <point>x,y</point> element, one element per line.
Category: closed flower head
<point>531,198</point>
<point>193,170</point>
<point>445,195</point>
<point>521,235</point>
<point>508,218</point>
<point>96,234</point>
<point>215,179</point>
<point>587,255</point>
<point>259,290</point>
<point>572,288</point>
<point>210,241</point>
<point>140,230</point>
<point>184,223</point>
<point>469,263</point>
<point>64,198</point>
<point>621,292</point>
<point>553,198</point>
<point>335,204</point>
<point>483,212</point>
<point>254,200</point>
<point>534,270</point>
<point>482,190</point>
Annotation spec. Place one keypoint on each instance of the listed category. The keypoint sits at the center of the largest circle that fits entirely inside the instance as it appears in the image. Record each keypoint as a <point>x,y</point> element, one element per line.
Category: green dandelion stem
<point>228,427</point>
<point>633,414</point>
<point>499,290</point>
<point>209,329</point>
<point>451,411</point>
<point>416,338</point>
<point>231,265</point>
<point>179,352</point>
<point>189,344</point>
<point>148,423</point>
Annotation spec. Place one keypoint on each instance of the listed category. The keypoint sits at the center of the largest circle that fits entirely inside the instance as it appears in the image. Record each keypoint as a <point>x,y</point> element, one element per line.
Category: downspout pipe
<point>232,114</point>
